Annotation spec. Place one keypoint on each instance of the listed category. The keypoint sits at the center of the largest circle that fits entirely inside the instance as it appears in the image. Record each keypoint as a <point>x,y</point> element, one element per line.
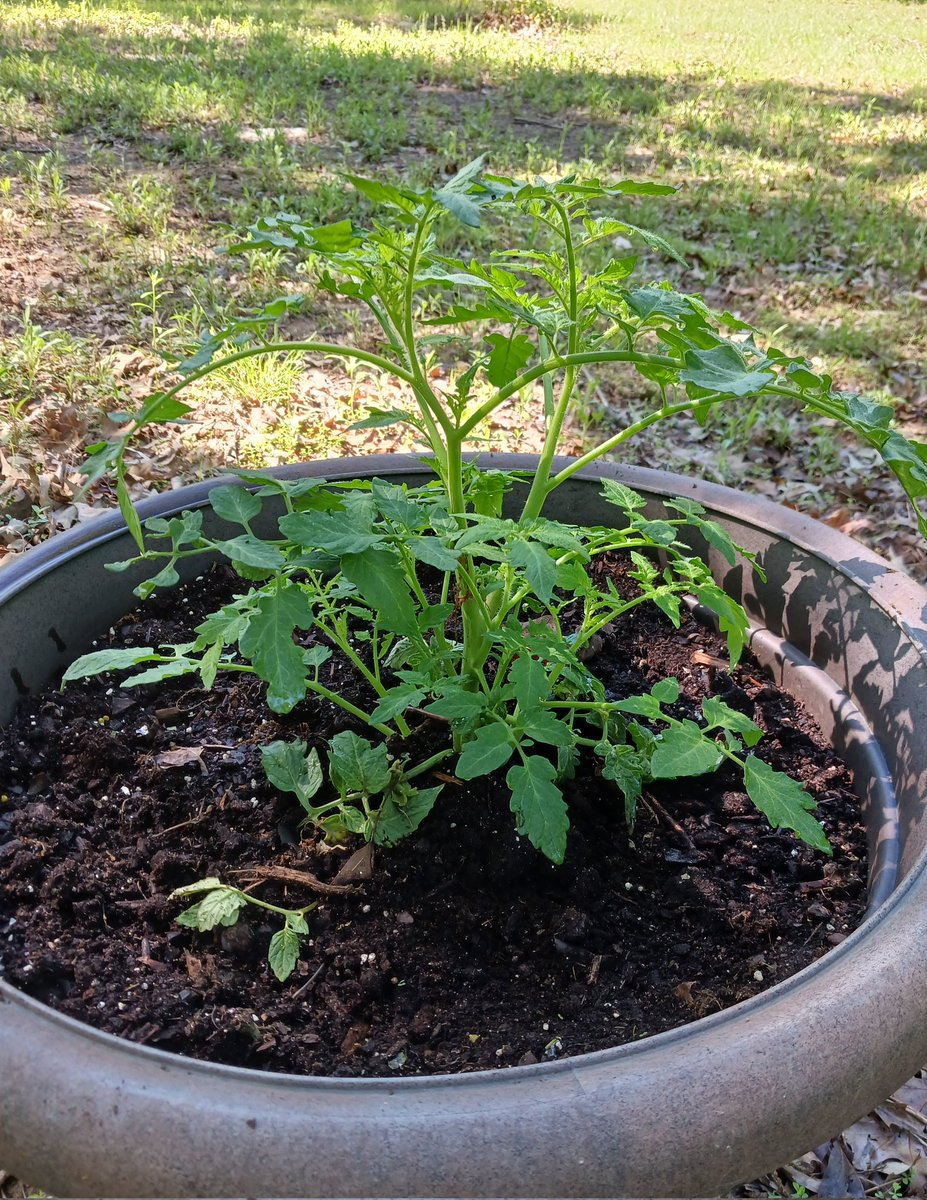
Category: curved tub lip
<point>838,551</point>
<point>830,545</point>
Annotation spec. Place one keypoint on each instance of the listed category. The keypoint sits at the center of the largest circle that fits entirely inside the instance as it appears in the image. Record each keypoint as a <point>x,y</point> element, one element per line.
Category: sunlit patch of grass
<point>797,137</point>
<point>53,387</point>
<point>264,380</point>
<point>141,206</point>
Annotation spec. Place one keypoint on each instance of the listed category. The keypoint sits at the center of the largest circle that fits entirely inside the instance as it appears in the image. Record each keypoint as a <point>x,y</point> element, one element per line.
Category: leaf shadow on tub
<point>855,634</point>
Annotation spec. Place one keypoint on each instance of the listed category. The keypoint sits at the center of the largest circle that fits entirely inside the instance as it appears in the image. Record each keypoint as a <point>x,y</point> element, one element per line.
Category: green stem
<point>422,767</point>
<point>558,363</point>
<point>282,912</point>
<point>628,432</point>
<point>538,491</point>
<point>345,647</point>
<point>431,407</point>
<point>473,610</point>
<point>320,690</point>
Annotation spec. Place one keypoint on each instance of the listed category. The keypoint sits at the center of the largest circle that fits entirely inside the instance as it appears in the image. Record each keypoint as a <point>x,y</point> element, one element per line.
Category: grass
<point>135,135</point>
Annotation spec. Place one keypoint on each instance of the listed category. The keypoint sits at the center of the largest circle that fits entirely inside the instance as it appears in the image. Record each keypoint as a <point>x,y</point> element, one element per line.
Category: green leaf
<point>684,749</point>
<point>252,552</point>
<point>529,679</point>
<point>868,414</point>
<point>272,484</point>
<point>209,665</point>
<point>401,813</point>
<point>666,690</point>
<point>617,270</point>
<point>461,314</point>
<point>357,766</point>
<point>380,418</point>
<point>190,917</point>
<point>435,616</point>
<point>732,620</point>
<point>268,644</point>
<point>554,533</point>
<point>327,531</point>
<point>483,528</point>
<point>720,539</point>
<point>166,577</point>
<point>657,299</point>
<point>235,504</point>
<point>540,568</point>
<point>129,513</point>
<point>491,748</point>
<point>186,529</point>
<point>627,769</point>
<point>463,207</point>
<point>636,187</point>
<point>655,242</point>
<point>432,550</point>
<point>642,706</point>
<point>291,769</point>
<point>396,701</point>
<point>723,370</point>
<point>172,669</point>
<point>733,322</point>
<point>784,802</point>
<point>543,726</point>
<point>381,582</point>
<point>539,807</point>
<point>624,497</point>
<point>397,506</point>
<point>384,193</point>
<point>283,953</point>
<point>333,238</point>
<point>221,906</point>
<point>225,627</point>
<point>468,174</point>
<point>669,605</point>
<point>721,716</point>
<point>458,703</point>
<point>661,532</point>
<point>509,357</point>
<point>159,409</point>
<point>713,534</point>
<point>297,923</point>
<point>99,661</point>
<point>193,889</point>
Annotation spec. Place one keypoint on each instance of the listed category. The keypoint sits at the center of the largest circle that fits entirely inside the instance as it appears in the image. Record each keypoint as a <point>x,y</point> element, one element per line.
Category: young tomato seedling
<point>460,598</point>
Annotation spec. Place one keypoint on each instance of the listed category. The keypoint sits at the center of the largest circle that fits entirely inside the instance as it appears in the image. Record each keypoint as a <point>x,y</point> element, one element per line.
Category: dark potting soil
<point>465,949</point>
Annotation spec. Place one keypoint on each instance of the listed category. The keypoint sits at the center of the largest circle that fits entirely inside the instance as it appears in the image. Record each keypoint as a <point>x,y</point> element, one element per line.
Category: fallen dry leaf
<point>181,756</point>
<point>358,867</point>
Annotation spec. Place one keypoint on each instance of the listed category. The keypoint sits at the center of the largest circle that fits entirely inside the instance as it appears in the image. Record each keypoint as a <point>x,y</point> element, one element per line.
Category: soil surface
<point>465,950</point>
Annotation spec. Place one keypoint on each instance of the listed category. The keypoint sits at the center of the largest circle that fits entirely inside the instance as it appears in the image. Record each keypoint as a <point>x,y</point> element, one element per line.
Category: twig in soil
<point>710,660</point>
<point>420,712</point>
<point>535,121</point>
<point>183,824</point>
<point>594,969</point>
<point>659,811</point>
<point>312,978</point>
<point>289,875</point>
<point>816,885</point>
